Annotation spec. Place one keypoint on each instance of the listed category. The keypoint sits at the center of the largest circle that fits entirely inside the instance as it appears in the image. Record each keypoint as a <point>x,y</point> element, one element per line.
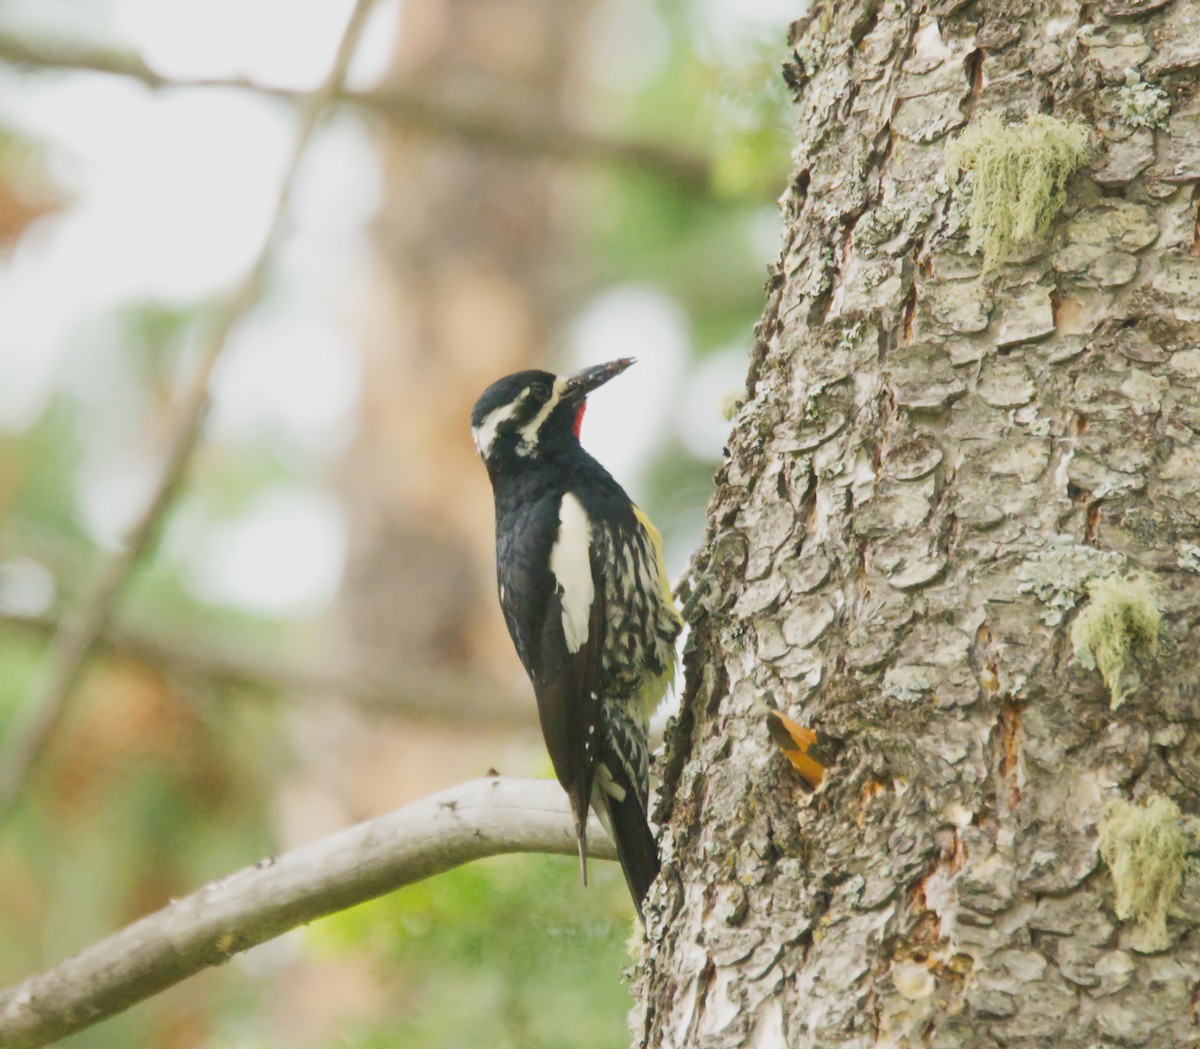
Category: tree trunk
<point>936,458</point>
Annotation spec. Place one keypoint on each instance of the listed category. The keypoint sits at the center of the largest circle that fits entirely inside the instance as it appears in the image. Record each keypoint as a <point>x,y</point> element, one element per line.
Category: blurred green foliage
<point>146,796</point>
<point>752,120</point>
<point>156,786</point>
<point>507,953</point>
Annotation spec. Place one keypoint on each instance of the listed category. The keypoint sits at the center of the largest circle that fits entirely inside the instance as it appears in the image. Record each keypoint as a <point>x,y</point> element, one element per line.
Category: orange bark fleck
<point>794,740</point>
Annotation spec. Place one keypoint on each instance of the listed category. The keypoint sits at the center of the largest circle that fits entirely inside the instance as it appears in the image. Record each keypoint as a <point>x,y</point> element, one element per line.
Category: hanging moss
<point>1145,847</point>
<point>1018,179</point>
<point>1118,628</point>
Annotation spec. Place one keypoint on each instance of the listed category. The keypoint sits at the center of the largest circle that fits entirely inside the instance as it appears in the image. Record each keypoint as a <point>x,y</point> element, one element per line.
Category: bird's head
<point>534,413</point>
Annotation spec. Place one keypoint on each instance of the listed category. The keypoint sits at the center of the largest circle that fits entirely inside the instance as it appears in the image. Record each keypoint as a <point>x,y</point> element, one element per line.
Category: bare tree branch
<point>485,817</point>
<point>91,615</point>
<point>483,123</point>
<point>419,690</point>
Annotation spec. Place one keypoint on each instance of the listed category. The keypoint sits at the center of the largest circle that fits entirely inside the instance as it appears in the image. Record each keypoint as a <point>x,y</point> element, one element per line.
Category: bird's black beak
<point>584,382</point>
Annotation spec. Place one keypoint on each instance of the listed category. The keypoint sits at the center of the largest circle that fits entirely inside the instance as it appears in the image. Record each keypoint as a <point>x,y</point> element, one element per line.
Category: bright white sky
<point>171,193</point>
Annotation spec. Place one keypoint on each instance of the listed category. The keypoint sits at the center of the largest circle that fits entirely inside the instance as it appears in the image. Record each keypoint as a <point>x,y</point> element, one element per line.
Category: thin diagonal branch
<point>420,690</point>
<point>92,614</point>
<point>483,123</point>
<point>482,818</point>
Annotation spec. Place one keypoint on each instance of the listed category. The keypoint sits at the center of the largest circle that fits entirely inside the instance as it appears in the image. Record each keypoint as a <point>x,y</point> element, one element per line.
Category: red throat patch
<point>579,417</point>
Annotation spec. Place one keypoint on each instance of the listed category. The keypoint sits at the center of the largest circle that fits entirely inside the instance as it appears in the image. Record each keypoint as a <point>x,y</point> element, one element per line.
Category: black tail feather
<point>636,848</point>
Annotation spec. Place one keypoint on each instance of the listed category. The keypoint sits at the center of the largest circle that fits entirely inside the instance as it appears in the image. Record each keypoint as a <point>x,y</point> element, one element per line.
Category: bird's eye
<point>540,391</point>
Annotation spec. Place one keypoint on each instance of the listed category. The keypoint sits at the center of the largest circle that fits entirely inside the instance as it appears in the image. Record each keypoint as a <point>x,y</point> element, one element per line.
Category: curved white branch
<point>481,818</point>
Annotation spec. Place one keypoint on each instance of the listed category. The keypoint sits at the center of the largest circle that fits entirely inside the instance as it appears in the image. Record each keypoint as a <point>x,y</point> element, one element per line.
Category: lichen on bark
<point>1018,179</point>
<point>1145,848</point>
<point>1117,630</point>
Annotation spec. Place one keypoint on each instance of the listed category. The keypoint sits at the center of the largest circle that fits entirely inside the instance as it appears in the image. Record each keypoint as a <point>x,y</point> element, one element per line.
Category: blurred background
<point>315,639</point>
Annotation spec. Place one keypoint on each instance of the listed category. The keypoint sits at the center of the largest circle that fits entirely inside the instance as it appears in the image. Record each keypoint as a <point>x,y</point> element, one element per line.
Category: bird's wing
<point>561,649</point>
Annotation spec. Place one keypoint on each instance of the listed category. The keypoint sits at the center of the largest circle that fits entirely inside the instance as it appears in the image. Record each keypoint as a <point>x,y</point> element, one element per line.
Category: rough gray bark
<point>932,463</point>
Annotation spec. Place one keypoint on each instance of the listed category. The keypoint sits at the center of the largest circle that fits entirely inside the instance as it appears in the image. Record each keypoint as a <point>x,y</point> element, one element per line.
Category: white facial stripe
<point>529,431</point>
<point>571,565</point>
<point>485,432</point>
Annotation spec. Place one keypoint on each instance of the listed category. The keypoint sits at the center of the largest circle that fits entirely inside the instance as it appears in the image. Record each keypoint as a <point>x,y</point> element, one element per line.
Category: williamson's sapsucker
<point>585,594</point>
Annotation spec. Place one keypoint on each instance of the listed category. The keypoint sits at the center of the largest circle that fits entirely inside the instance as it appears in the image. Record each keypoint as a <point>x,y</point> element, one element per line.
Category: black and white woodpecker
<point>584,590</point>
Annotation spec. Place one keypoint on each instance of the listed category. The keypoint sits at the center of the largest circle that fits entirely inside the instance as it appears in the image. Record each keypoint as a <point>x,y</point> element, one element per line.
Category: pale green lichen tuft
<point>1188,557</point>
<point>829,471</point>
<point>849,337</point>
<point>635,941</point>
<point>731,404</point>
<point>1019,179</point>
<point>1145,847</point>
<point>1142,104</point>
<point>820,275</point>
<point>1117,629</point>
<point>1058,573</point>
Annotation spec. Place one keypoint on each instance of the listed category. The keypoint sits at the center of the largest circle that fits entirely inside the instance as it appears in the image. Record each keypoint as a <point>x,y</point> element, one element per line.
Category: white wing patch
<point>571,565</point>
